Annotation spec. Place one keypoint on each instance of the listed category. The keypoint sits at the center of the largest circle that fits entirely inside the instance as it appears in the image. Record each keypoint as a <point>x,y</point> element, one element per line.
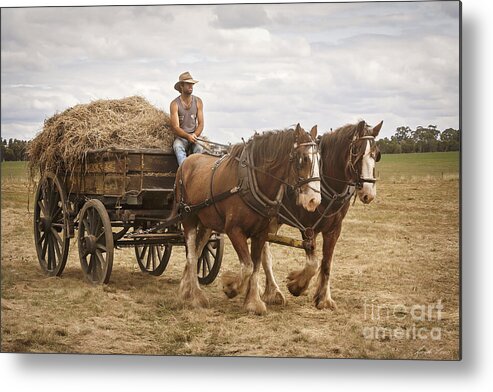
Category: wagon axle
<point>89,244</point>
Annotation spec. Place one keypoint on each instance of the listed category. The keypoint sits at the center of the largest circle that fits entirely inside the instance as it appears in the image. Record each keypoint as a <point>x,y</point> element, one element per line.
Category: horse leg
<point>253,302</point>
<point>272,294</point>
<point>298,281</point>
<point>322,297</point>
<point>189,289</point>
<point>203,236</point>
<point>234,283</point>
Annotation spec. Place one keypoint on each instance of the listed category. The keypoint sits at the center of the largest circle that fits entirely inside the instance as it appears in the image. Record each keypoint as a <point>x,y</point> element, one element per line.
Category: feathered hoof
<point>274,297</point>
<point>193,296</point>
<point>326,303</point>
<point>256,307</point>
<point>230,284</point>
<point>199,300</point>
<point>297,283</point>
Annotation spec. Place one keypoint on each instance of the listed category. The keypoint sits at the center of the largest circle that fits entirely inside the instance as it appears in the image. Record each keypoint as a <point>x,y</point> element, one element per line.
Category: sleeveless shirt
<point>187,118</point>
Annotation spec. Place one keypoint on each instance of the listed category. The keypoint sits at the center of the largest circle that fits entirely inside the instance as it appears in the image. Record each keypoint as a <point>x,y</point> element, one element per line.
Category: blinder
<point>300,160</point>
<point>374,153</point>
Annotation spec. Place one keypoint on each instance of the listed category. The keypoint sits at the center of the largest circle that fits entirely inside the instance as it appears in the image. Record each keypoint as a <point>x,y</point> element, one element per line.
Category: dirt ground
<point>395,281</point>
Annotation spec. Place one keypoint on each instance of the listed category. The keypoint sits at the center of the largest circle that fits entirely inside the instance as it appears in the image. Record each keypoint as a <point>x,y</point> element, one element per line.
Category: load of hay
<point>127,123</point>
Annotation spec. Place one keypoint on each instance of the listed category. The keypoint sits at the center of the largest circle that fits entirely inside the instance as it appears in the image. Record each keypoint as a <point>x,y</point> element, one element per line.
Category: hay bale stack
<point>128,123</point>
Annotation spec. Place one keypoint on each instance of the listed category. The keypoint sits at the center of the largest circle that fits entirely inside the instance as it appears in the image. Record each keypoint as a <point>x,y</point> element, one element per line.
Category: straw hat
<point>185,77</point>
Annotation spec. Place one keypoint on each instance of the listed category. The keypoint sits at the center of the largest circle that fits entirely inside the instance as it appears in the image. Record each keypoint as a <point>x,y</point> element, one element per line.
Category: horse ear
<point>360,128</point>
<point>313,132</point>
<point>298,131</point>
<point>377,128</point>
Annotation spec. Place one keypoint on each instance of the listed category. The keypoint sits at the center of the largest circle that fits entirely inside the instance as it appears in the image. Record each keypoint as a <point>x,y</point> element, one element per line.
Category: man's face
<point>187,88</point>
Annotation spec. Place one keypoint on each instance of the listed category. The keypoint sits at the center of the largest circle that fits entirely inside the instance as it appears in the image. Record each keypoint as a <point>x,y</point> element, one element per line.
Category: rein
<point>247,186</point>
<point>299,183</point>
<point>358,183</point>
<point>330,195</point>
<point>251,193</point>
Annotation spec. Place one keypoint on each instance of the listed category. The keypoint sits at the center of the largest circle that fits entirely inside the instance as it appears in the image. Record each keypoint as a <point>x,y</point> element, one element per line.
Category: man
<point>187,118</point>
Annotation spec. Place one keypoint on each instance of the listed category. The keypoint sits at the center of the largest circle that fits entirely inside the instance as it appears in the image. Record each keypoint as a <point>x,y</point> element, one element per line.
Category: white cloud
<point>259,66</point>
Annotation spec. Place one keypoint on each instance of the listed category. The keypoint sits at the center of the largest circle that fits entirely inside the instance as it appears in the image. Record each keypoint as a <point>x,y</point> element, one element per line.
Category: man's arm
<point>200,117</point>
<point>175,124</point>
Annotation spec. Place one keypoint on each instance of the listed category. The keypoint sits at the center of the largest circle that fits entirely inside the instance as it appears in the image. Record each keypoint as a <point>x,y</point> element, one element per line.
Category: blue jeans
<point>181,146</point>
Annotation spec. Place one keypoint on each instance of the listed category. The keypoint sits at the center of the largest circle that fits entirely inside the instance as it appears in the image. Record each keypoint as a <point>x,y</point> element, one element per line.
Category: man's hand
<point>192,138</point>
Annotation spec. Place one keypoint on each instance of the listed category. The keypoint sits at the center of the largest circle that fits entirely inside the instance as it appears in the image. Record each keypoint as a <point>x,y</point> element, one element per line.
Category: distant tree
<point>9,155</point>
<point>403,134</point>
<point>14,150</point>
<point>387,146</point>
<point>422,139</point>
<point>450,140</point>
<point>426,139</point>
<point>3,148</point>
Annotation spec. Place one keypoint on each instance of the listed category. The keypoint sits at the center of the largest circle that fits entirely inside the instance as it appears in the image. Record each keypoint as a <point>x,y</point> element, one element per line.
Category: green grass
<point>392,165</point>
<point>433,164</point>
<point>17,169</point>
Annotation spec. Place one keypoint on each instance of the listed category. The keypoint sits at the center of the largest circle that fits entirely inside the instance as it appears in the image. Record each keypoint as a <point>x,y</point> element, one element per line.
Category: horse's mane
<point>335,145</point>
<point>270,148</point>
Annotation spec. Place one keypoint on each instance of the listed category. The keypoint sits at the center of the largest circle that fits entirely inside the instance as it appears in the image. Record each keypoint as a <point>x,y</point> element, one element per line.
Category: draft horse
<point>347,165</point>
<point>238,195</point>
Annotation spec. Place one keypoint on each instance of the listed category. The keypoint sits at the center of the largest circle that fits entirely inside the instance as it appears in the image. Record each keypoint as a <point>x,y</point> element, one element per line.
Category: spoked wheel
<point>51,235</point>
<point>210,260</point>
<point>95,240</point>
<point>153,258</point>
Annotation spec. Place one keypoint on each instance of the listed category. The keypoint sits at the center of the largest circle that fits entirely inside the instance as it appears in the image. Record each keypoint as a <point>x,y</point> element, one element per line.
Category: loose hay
<point>66,137</point>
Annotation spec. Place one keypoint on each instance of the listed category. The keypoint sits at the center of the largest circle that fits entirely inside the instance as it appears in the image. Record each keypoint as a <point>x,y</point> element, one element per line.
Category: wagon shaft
<point>288,241</point>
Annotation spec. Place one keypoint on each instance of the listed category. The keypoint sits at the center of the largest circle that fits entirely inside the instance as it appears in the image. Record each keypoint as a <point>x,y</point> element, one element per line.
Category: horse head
<point>364,153</point>
<point>305,174</point>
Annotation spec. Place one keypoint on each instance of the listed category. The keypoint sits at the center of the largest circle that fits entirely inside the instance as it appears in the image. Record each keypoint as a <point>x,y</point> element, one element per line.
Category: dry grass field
<point>395,280</point>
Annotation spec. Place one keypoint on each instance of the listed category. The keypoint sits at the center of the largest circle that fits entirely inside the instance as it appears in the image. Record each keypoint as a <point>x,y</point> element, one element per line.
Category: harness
<point>335,200</point>
<point>361,180</point>
<point>248,187</point>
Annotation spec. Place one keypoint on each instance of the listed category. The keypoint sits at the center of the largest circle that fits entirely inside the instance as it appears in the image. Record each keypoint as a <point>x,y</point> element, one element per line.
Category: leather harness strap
<point>250,192</point>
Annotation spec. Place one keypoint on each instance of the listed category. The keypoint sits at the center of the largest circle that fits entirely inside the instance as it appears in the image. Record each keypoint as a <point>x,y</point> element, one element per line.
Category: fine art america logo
<point>403,322</point>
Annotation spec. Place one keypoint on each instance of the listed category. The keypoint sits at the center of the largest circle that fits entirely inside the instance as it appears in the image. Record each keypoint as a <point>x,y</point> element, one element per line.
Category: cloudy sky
<point>260,66</point>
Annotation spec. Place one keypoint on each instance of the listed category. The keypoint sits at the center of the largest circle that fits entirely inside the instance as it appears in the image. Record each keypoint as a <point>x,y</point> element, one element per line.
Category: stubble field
<point>395,280</point>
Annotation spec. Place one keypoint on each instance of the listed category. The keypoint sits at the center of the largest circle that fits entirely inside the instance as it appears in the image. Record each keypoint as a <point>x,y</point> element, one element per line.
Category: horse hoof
<point>200,301</point>
<point>275,298</point>
<point>257,308</point>
<point>327,303</point>
<point>230,292</point>
<point>294,286</point>
<point>230,284</point>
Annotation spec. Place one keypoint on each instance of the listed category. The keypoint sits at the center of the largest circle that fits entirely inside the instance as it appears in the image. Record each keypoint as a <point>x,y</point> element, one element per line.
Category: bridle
<point>358,180</point>
<point>336,199</point>
<point>251,193</point>
<point>315,159</point>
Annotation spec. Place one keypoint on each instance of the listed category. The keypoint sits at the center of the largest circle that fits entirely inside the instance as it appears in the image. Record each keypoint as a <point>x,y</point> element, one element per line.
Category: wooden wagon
<point>114,199</point>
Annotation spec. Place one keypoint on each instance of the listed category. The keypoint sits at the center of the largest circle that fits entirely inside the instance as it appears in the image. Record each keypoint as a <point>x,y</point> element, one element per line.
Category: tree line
<point>422,139</point>
<point>13,150</point>
<point>404,140</point>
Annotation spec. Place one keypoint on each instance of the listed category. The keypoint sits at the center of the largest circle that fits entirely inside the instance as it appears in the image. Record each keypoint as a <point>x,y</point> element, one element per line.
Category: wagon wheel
<point>51,216</point>
<point>210,260</point>
<point>95,240</point>
<point>153,258</point>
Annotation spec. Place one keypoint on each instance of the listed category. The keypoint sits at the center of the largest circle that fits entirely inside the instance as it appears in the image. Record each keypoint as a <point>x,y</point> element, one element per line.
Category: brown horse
<point>238,195</point>
<point>348,156</point>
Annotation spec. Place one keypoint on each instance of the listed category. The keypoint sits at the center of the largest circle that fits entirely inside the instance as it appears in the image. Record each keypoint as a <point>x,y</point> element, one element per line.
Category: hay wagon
<point>114,198</point>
